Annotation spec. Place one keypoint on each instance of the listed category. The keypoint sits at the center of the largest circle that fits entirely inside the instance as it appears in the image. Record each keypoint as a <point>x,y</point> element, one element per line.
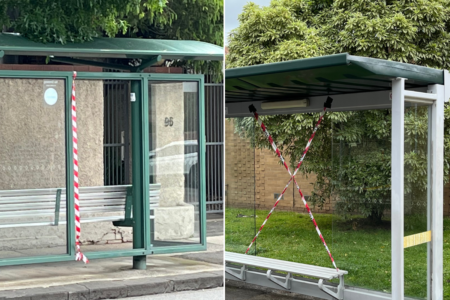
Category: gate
<point>117,139</point>
<point>116,136</point>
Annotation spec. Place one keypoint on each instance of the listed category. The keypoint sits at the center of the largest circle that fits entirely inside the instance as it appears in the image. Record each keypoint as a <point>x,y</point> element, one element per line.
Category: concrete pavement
<point>211,294</point>
<point>114,278</point>
<point>235,293</point>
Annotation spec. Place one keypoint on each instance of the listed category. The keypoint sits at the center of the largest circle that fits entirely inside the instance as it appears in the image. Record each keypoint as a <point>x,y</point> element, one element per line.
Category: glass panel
<point>255,180</point>
<point>32,167</point>
<point>360,197</point>
<point>174,163</point>
<point>416,190</point>
<point>240,194</point>
<point>104,152</point>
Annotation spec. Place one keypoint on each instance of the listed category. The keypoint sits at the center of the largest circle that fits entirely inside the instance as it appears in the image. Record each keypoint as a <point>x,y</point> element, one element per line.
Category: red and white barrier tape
<point>275,148</point>
<point>76,192</point>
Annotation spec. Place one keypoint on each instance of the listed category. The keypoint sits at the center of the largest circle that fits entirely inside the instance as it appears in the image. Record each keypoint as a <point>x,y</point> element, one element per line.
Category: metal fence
<point>215,118</point>
<point>117,141</point>
<point>116,133</point>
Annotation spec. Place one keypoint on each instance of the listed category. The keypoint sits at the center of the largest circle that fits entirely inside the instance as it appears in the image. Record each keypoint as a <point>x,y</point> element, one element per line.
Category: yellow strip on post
<point>416,239</point>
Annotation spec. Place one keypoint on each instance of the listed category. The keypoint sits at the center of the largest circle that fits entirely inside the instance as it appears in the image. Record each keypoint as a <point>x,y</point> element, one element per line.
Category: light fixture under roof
<point>285,104</point>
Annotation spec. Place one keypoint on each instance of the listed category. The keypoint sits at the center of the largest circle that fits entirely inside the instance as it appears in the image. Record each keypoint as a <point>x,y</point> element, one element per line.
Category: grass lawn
<point>360,248</point>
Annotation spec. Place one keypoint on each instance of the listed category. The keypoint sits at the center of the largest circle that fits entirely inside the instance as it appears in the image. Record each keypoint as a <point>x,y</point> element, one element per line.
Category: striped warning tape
<point>76,192</point>
<point>275,148</point>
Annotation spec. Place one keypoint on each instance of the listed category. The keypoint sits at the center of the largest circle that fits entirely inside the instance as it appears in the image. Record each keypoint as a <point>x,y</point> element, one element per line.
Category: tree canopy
<point>59,21</point>
<point>351,152</point>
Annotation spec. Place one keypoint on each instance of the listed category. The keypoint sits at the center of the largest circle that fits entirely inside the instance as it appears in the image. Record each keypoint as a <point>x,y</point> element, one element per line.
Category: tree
<point>59,21</point>
<point>351,152</point>
<point>200,20</point>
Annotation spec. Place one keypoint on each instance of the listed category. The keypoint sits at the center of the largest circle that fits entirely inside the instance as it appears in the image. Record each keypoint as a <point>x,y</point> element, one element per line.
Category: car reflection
<point>174,158</point>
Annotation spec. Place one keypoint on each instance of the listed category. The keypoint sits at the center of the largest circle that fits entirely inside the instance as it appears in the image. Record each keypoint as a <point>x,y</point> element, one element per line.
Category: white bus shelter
<point>355,83</point>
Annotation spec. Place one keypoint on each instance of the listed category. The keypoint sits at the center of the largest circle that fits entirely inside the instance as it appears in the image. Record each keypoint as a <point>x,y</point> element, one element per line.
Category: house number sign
<point>168,122</point>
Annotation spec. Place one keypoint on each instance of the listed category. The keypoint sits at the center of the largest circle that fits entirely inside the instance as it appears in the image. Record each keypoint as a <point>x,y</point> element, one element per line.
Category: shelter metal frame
<point>148,51</point>
<point>140,133</point>
<point>359,83</point>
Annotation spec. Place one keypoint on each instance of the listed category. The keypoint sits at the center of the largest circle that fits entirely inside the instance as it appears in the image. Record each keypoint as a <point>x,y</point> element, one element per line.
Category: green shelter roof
<point>13,44</point>
<point>321,76</point>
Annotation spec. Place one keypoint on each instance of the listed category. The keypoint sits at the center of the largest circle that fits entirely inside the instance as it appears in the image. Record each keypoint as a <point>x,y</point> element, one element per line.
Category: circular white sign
<point>50,96</point>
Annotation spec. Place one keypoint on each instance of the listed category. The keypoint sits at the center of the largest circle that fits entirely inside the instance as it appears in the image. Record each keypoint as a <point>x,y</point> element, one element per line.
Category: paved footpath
<point>211,294</point>
<point>115,278</point>
<point>235,293</point>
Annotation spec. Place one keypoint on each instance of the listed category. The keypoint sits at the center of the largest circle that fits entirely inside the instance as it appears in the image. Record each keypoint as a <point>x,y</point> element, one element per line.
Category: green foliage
<point>414,31</point>
<point>275,33</point>
<point>351,152</point>
<point>59,21</point>
<point>200,20</point>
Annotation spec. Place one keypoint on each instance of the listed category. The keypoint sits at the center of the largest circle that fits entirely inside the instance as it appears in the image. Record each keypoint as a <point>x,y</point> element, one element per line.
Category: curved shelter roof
<point>13,44</point>
<point>315,78</point>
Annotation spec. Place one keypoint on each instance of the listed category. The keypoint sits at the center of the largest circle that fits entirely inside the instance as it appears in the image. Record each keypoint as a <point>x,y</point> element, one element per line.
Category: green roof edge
<point>376,66</point>
<point>291,65</point>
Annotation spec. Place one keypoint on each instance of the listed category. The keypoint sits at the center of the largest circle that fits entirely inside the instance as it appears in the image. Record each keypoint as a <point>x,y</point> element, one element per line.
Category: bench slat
<point>16,204</point>
<point>90,220</point>
<point>51,201</point>
<point>51,206</point>
<point>284,266</point>
<point>84,196</point>
<point>93,189</point>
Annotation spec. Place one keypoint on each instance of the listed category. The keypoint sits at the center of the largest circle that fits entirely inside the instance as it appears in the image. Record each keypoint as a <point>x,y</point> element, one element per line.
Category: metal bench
<point>17,207</point>
<point>285,266</point>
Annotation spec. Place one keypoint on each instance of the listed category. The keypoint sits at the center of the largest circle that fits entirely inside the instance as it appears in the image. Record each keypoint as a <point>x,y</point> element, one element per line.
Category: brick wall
<point>247,169</point>
<point>254,173</point>
<point>239,170</point>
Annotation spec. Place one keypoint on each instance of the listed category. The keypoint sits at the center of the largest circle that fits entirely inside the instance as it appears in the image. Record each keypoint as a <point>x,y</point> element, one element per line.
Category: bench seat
<point>271,264</point>
<point>17,207</point>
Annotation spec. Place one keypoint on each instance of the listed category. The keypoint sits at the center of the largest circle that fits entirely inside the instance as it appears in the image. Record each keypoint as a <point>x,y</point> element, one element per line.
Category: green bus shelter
<point>127,209</point>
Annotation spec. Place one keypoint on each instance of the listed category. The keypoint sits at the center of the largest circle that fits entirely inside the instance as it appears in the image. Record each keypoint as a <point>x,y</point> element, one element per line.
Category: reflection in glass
<point>240,186</point>
<point>32,167</point>
<point>415,198</point>
<point>174,163</point>
<point>104,151</point>
<point>361,195</point>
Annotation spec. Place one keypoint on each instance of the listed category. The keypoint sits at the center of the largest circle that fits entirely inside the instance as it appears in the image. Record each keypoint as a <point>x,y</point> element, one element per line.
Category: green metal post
<point>202,148</point>
<point>57,207</point>
<point>70,209</point>
<point>139,262</point>
<point>145,166</point>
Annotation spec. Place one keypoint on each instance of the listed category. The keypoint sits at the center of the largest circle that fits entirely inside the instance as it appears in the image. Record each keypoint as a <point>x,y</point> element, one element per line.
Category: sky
<point>232,9</point>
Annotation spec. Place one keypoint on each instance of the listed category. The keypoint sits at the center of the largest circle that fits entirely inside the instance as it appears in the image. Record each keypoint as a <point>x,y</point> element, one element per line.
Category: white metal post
<point>429,206</point>
<point>397,177</point>
<point>437,190</point>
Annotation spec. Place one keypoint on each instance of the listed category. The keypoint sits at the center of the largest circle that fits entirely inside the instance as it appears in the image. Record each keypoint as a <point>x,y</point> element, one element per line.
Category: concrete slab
<point>145,286</point>
<point>248,294</point>
<point>114,278</point>
<point>97,290</point>
<point>54,274</point>
<point>209,257</point>
<point>240,290</point>
<point>10,254</point>
<point>210,294</point>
